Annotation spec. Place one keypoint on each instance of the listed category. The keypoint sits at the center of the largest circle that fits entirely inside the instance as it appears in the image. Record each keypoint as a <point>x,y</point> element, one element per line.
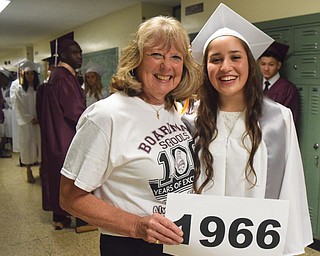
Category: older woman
<point>132,148</point>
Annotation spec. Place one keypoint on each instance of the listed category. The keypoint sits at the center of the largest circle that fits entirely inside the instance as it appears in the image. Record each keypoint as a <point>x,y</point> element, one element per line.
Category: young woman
<point>93,87</point>
<point>29,131</point>
<point>246,145</point>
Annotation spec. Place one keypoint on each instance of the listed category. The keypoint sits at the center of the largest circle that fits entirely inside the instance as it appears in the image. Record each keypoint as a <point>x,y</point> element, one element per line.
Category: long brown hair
<point>36,81</point>
<point>206,121</point>
<point>95,90</point>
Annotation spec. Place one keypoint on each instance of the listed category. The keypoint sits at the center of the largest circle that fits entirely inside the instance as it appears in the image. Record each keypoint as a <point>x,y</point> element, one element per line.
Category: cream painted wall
<point>15,57</point>
<point>107,32</point>
<point>42,50</point>
<point>110,31</point>
<point>150,10</point>
<point>104,33</point>
<point>252,10</point>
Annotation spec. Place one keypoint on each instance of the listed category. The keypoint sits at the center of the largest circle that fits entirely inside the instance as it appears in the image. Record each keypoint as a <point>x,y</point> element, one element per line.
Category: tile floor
<point>25,229</point>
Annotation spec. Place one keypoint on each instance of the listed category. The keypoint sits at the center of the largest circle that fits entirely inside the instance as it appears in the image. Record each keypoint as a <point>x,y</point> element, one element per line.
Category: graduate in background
<point>60,104</point>
<point>276,87</point>
<point>93,88</point>
<point>246,144</point>
<point>15,85</point>
<point>29,130</point>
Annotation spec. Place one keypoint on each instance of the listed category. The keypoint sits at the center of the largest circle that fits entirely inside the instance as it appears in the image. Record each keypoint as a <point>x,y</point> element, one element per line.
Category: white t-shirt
<point>128,157</point>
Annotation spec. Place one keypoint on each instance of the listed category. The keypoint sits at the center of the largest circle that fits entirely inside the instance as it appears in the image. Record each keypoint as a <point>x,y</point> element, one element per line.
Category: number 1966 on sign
<point>214,231</point>
<point>233,226</point>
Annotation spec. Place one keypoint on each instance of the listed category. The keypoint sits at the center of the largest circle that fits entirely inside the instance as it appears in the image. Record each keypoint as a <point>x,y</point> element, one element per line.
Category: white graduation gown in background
<point>230,158</point>
<point>90,99</point>
<point>15,128</point>
<point>7,114</point>
<point>25,107</point>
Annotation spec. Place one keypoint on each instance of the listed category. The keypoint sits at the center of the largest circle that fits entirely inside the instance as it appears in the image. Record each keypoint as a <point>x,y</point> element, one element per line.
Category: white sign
<point>233,226</point>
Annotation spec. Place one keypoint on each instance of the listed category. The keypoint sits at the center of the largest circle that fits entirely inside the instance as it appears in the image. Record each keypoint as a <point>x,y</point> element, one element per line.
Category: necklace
<point>157,110</point>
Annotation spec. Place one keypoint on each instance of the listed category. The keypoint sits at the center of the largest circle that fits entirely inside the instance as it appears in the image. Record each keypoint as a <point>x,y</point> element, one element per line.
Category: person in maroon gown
<point>278,89</point>
<point>60,102</point>
<point>1,107</point>
<point>3,154</point>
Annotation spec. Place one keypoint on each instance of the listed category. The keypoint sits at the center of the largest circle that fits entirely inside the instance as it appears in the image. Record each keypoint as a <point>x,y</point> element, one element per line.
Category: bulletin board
<point>106,58</point>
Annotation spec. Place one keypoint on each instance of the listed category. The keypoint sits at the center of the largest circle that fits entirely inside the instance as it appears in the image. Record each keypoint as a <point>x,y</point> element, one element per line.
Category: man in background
<point>59,107</point>
<point>276,87</point>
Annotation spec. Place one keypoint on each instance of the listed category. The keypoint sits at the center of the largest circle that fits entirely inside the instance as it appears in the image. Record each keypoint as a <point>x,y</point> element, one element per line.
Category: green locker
<point>302,67</point>
<point>302,129</point>
<point>312,173</point>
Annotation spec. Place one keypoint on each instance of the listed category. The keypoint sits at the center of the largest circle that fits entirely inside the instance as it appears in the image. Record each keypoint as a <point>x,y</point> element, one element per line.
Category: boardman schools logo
<point>178,181</point>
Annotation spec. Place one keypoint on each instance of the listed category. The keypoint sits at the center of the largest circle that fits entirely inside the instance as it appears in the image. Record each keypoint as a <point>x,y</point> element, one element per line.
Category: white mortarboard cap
<point>30,66</point>
<point>93,67</point>
<point>224,21</point>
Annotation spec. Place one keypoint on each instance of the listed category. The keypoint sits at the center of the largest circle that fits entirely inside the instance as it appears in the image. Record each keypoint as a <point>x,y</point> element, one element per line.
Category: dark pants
<point>80,222</point>
<point>59,217</point>
<point>125,246</point>
<point>62,218</point>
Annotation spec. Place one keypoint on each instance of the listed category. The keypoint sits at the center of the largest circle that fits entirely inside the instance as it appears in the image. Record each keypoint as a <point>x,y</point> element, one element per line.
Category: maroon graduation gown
<point>287,94</point>
<point>1,106</point>
<point>60,103</point>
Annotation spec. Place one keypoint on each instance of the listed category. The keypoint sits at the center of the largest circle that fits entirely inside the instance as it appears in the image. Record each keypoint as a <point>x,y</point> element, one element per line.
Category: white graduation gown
<point>90,99</point>
<point>15,128</point>
<point>25,106</point>
<point>230,158</point>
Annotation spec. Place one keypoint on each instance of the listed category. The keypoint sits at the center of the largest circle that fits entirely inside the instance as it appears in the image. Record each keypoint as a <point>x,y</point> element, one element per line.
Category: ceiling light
<point>3,4</point>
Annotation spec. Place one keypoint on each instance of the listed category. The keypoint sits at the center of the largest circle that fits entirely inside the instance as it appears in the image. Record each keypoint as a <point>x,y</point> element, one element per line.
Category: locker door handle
<point>316,146</point>
<point>316,161</point>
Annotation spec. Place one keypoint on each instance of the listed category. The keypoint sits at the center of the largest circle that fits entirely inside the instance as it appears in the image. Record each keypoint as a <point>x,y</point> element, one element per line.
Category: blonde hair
<point>95,90</point>
<point>165,32</point>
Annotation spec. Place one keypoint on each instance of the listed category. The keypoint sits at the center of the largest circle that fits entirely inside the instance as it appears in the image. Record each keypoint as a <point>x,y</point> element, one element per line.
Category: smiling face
<point>228,67</point>
<point>159,72</point>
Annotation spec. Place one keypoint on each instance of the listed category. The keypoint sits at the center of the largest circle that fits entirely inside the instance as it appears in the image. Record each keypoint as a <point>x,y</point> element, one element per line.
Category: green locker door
<point>312,170</point>
<point>306,38</point>
<point>302,128</point>
<point>302,67</point>
<point>282,35</point>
